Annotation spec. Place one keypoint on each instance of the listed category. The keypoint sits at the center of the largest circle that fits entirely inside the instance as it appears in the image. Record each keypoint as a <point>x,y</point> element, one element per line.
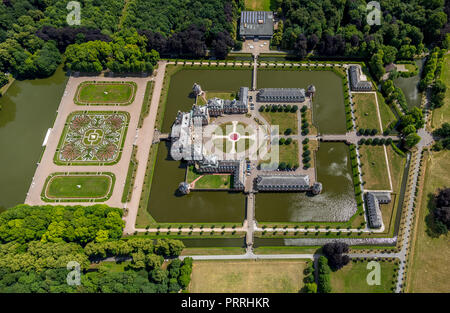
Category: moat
<point>333,168</point>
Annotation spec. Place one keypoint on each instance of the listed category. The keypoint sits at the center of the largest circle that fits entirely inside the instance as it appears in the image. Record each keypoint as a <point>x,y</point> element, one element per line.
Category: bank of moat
<point>193,133</point>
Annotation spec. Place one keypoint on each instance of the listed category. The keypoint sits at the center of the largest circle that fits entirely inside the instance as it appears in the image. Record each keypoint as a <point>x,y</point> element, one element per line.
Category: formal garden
<point>92,138</point>
<point>105,93</point>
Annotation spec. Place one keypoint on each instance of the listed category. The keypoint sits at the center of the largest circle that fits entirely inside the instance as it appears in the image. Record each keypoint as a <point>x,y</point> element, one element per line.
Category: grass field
<point>213,182</point>
<point>430,269</point>
<point>366,111</point>
<point>386,114</point>
<point>374,167</point>
<point>105,93</point>
<point>257,5</point>
<point>78,186</point>
<point>247,276</point>
<point>352,278</point>
<point>283,120</point>
<point>442,114</point>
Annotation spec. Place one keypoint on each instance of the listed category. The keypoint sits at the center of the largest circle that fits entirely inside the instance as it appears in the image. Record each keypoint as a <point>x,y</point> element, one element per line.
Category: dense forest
<point>37,244</point>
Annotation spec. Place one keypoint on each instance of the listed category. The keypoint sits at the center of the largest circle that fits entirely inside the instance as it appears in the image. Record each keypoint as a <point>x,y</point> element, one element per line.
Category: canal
<point>336,203</point>
<point>28,110</point>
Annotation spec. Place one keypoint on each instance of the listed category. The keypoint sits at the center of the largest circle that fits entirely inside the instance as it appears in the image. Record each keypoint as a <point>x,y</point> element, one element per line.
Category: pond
<point>29,109</point>
<point>165,204</point>
<point>410,86</point>
<point>328,103</point>
<point>336,203</point>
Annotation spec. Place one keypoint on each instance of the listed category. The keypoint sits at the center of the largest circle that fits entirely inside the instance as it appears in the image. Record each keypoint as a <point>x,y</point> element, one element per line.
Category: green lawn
<point>429,270</point>
<point>78,186</point>
<point>374,167</point>
<point>283,119</point>
<point>386,114</point>
<point>366,111</point>
<point>442,114</point>
<point>105,93</point>
<point>353,278</point>
<point>257,5</point>
<point>214,182</point>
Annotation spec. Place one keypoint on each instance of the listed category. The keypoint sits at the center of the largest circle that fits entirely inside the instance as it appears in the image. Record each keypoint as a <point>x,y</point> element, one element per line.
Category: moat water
<point>28,110</point>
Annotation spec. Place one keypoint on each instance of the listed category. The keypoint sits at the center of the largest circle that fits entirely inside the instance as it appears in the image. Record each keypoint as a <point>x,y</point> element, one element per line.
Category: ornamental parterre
<point>92,138</point>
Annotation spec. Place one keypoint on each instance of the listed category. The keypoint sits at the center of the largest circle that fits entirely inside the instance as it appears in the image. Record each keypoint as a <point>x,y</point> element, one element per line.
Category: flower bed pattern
<point>92,138</point>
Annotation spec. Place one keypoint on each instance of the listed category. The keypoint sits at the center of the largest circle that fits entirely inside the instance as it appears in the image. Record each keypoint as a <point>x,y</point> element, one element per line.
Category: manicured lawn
<point>220,95</point>
<point>386,114</point>
<point>247,276</point>
<point>366,111</point>
<point>283,119</point>
<point>214,182</point>
<point>430,269</point>
<point>442,114</point>
<point>257,5</point>
<point>397,166</point>
<point>374,167</point>
<point>105,93</point>
<point>79,186</point>
<point>353,278</point>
